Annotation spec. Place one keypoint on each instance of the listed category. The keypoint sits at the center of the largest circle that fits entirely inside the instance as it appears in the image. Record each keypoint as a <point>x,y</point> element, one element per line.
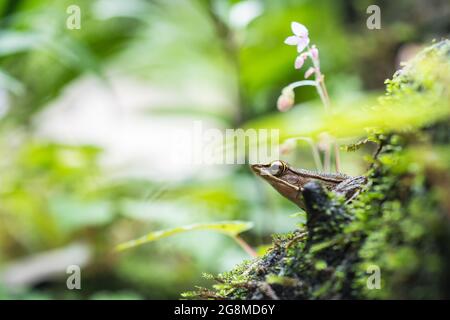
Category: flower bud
<point>314,52</point>
<point>286,99</point>
<point>299,62</point>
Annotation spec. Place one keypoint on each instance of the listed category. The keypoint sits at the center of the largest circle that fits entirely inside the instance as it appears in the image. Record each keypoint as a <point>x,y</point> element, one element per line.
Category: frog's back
<point>332,177</point>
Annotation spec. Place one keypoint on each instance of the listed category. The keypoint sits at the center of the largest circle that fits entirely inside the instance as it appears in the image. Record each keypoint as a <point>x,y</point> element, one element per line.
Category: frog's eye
<point>277,168</point>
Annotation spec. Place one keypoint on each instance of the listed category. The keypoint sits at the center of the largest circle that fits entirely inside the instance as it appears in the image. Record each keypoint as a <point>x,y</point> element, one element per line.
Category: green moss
<point>398,224</point>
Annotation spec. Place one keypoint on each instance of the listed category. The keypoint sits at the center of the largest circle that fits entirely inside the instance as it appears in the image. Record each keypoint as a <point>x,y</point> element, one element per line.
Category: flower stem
<point>244,245</point>
<point>297,84</point>
<point>337,157</point>
<point>315,151</point>
<point>323,93</point>
<point>327,158</point>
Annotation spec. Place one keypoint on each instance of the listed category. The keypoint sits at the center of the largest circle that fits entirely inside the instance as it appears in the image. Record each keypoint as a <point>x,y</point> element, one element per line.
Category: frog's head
<point>283,178</point>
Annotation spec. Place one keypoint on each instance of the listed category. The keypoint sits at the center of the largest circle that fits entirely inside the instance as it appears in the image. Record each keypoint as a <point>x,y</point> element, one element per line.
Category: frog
<point>290,182</point>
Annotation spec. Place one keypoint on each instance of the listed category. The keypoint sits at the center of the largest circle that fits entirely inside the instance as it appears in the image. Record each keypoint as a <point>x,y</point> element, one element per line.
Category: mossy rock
<point>393,240</point>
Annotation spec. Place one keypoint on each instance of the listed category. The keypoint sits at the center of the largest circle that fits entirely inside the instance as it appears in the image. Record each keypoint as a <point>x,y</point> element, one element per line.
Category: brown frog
<point>289,182</point>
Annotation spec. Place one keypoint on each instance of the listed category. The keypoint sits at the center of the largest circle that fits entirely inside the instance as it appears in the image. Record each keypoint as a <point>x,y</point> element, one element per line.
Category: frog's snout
<point>256,167</point>
<point>260,170</point>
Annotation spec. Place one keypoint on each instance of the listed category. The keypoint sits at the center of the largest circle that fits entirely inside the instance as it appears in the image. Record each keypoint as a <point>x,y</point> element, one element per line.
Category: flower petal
<point>299,61</point>
<point>292,40</point>
<point>298,29</point>
<point>301,45</point>
<point>314,52</point>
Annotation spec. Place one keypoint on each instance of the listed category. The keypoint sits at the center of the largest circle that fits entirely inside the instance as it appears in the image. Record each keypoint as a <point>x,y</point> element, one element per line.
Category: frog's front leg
<point>351,187</point>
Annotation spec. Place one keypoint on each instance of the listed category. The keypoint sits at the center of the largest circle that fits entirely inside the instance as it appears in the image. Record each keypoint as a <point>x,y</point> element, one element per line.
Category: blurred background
<point>87,116</point>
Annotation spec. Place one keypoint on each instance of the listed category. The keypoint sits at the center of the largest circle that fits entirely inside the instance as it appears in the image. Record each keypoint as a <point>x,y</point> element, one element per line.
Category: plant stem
<point>327,158</point>
<point>337,158</point>
<point>297,84</point>
<point>323,93</point>
<point>315,151</point>
<point>316,156</point>
<point>244,245</point>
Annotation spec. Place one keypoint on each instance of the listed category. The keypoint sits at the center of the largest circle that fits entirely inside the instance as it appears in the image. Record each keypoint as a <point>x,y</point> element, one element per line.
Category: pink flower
<point>309,72</point>
<point>314,52</point>
<point>300,37</point>
<point>284,103</point>
<point>286,100</point>
<point>300,60</point>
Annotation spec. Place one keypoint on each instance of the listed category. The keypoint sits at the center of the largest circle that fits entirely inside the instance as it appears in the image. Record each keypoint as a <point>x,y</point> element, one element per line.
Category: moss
<point>398,224</point>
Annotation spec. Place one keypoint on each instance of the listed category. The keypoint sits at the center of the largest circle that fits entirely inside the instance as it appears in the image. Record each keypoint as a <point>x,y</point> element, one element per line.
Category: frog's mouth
<point>262,171</point>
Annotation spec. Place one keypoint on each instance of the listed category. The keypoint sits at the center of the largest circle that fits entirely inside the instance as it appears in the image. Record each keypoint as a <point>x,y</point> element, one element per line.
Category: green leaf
<point>355,146</point>
<point>229,228</point>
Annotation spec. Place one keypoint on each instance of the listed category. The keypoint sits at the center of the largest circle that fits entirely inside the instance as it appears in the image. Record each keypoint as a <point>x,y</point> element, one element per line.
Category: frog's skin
<point>290,182</point>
